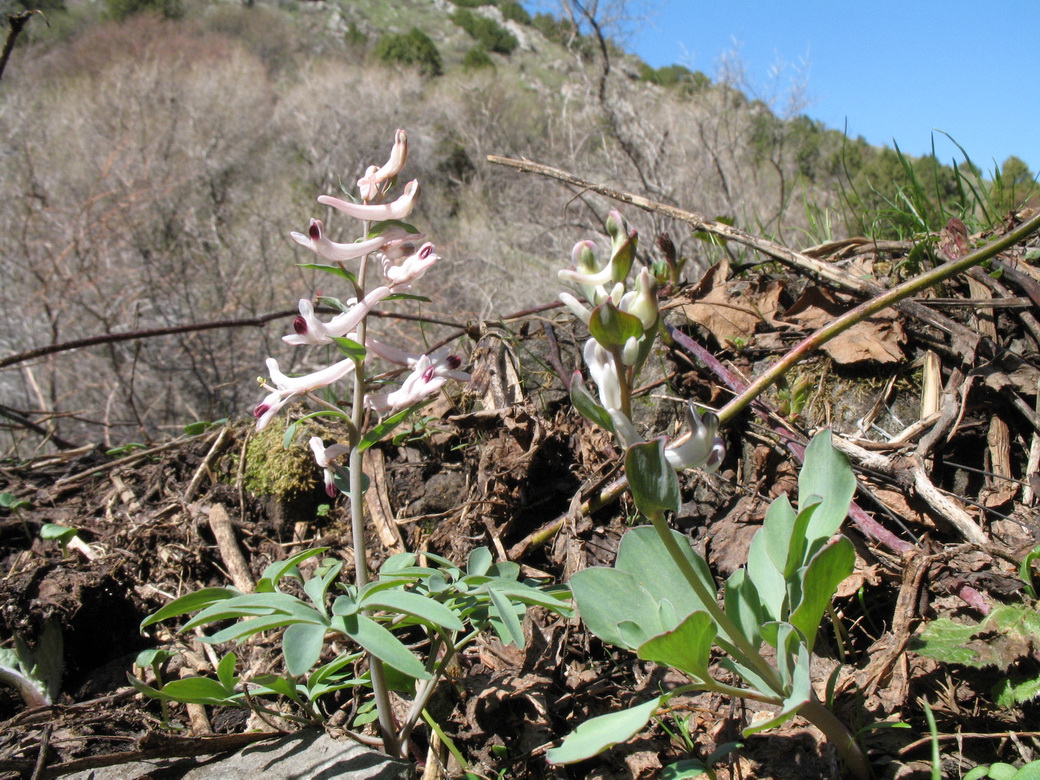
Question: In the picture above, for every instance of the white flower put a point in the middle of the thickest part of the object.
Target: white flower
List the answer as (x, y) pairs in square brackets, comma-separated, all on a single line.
[(398, 209), (286, 388), (318, 242), (411, 269), (704, 448), (310, 330), (324, 457), (429, 373), (603, 371), (369, 183)]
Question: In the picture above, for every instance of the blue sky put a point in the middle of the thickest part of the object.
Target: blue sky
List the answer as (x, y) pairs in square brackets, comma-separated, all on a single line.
[(886, 70)]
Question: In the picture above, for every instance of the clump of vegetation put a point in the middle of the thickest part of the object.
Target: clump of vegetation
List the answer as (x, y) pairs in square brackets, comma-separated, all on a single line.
[(412, 48), (476, 58), (123, 9), (514, 12), (491, 35), (678, 76), (273, 470)]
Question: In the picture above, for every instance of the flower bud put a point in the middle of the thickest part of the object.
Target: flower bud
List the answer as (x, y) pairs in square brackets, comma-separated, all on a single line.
[(644, 303)]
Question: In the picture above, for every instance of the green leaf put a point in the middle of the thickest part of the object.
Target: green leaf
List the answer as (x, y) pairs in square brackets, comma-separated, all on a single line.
[(199, 690), (611, 327), (821, 578), (587, 406), (246, 627), (275, 571), (686, 648), (190, 602), (1025, 572), (350, 348), (654, 484), (335, 270), (1016, 689), (405, 602), (744, 607), (302, 644), (800, 692), (1008, 633), (643, 555), (508, 624), (608, 597), (380, 643), (827, 474), (768, 581), (61, 533), (479, 561), (378, 228), (685, 770), (226, 671), (377, 432), (597, 734)]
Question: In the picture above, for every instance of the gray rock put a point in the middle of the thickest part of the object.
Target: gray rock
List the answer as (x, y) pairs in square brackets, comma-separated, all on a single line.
[(305, 755)]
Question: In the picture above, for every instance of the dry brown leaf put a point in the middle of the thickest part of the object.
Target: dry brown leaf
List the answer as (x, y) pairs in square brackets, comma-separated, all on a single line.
[(732, 309), (876, 339)]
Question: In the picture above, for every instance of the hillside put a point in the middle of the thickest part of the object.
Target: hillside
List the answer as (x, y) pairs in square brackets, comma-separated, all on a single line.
[(498, 460)]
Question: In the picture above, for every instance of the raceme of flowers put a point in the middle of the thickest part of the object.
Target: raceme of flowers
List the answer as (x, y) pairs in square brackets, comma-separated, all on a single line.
[(624, 324), (403, 258)]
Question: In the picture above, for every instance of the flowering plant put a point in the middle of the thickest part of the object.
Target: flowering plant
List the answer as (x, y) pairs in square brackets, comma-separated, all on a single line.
[(448, 604), (660, 599)]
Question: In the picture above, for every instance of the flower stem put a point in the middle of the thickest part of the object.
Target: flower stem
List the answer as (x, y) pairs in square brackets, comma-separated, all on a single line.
[(387, 725)]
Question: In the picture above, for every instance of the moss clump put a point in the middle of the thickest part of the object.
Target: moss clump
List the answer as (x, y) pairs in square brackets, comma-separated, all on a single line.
[(272, 470)]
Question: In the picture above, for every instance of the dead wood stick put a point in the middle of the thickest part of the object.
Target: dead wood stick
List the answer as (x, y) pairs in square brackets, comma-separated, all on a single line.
[(944, 506), (799, 260), (224, 532), (214, 451)]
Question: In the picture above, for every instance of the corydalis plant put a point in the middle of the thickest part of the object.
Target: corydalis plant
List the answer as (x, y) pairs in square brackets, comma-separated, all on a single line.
[(660, 599), (403, 258)]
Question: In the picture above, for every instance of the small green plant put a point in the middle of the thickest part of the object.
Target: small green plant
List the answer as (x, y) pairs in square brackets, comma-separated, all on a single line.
[(1002, 771), (438, 608), (63, 535), (35, 674), (449, 607)]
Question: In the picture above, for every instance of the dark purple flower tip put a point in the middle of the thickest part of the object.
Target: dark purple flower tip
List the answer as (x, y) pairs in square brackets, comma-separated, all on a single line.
[(300, 326), (261, 409), (453, 361), (315, 230), (426, 251), (429, 374), (331, 490)]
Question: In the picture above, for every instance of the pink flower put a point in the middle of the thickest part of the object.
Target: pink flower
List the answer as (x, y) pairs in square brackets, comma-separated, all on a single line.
[(369, 183), (324, 457), (398, 209), (429, 373), (286, 388), (318, 242), (310, 330), (411, 269)]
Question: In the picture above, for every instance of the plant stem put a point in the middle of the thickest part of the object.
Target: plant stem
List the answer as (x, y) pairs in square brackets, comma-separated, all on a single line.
[(357, 526), (838, 735), (873, 306), (740, 644)]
